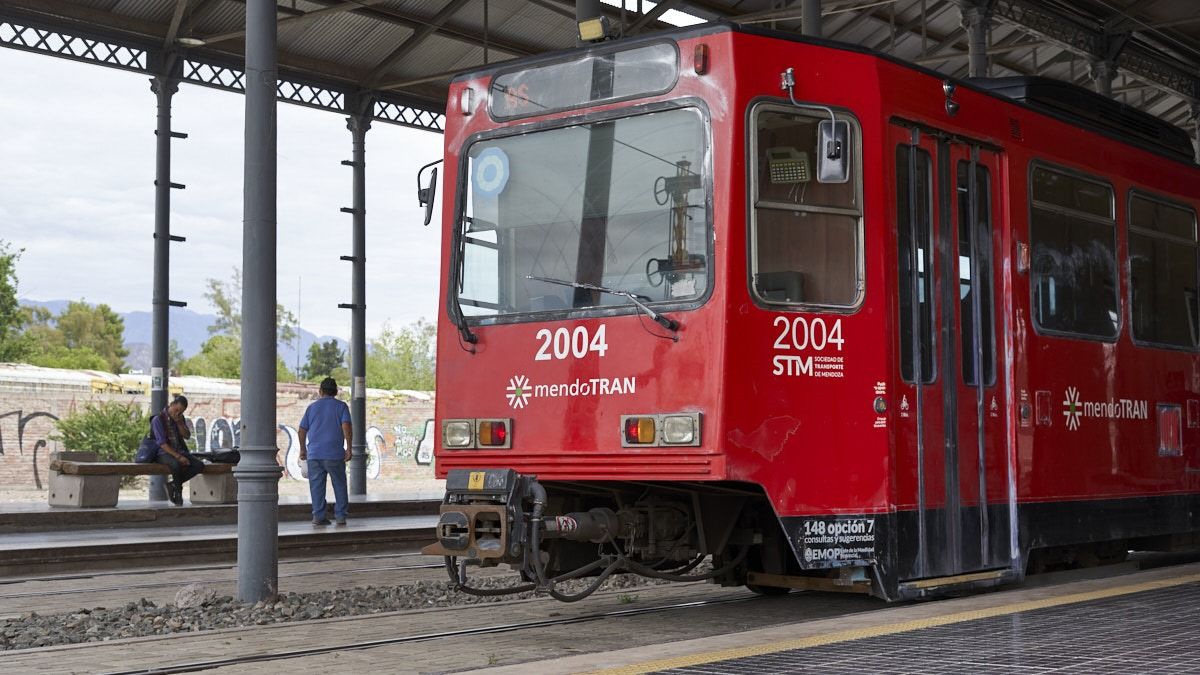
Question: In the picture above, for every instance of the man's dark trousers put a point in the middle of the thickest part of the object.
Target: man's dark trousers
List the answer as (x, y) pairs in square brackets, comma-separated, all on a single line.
[(180, 473)]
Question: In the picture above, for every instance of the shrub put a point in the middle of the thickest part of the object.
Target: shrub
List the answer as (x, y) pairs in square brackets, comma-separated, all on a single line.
[(112, 430)]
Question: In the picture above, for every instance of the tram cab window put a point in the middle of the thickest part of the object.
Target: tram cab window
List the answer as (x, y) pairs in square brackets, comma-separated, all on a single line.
[(806, 236), (1163, 269), (1074, 241), (621, 204)]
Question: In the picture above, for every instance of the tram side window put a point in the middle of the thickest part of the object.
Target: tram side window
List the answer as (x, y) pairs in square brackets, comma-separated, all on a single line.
[(1163, 267), (978, 237), (915, 256), (806, 234), (1073, 234)]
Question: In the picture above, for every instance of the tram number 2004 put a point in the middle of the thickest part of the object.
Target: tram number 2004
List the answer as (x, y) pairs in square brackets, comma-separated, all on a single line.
[(563, 343), (800, 333)]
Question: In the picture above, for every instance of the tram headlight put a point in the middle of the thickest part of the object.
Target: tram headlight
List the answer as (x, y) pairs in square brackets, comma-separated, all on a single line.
[(457, 433), (679, 429)]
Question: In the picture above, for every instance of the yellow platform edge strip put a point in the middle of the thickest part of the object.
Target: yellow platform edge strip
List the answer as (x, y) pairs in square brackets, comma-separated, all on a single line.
[(892, 628)]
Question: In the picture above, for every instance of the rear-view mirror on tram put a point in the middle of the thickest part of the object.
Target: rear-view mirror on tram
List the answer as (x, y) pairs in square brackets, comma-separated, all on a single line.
[(425, 195), (833, 143)]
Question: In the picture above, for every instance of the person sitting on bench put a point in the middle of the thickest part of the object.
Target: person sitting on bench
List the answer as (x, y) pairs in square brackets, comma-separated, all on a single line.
[(170, 433)]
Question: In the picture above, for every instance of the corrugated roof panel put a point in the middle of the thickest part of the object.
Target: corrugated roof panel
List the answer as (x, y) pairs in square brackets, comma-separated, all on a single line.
[(343, 38), (223, 16), (158, 11)]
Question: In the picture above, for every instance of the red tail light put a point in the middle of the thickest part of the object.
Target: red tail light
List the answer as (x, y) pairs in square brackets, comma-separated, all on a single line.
[(492, 433), (639, 430)]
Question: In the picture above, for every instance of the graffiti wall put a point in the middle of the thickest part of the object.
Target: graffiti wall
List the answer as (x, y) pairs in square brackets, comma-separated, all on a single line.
[(399, 435)]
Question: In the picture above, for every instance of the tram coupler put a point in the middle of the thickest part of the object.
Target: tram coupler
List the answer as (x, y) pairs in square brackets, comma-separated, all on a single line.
[(482, 516), (489, 516)]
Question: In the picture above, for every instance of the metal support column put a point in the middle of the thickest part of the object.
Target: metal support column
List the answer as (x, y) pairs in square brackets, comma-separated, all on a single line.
[(976, 19), (164, 87), (1103, 73), (258, 473), (811, 19), (359, 122)]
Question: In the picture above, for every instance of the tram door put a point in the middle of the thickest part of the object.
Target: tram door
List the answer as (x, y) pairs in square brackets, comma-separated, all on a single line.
[(951, 442)]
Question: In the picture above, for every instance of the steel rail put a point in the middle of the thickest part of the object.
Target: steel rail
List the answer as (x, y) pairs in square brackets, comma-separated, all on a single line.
[(196, 568), (423, 637), (162, 584)]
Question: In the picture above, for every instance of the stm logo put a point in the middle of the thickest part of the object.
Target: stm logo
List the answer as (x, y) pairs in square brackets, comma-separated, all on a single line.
[(1072, 409), (518, 391)]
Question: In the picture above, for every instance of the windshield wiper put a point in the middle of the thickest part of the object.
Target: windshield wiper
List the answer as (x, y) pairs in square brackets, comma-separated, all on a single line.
[(666, 322)]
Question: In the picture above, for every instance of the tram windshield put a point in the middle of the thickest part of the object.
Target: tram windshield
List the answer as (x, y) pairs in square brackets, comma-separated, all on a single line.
[(620, 204)]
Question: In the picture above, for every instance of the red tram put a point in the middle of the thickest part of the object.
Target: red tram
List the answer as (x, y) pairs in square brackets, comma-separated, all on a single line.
[(815, 312)]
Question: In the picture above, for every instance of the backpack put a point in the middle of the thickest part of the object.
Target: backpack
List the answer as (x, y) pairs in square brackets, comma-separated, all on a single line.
[(147, 452)]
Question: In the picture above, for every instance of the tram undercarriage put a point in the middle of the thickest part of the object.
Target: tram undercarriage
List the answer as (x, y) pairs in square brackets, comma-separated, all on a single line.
[(562, 531)]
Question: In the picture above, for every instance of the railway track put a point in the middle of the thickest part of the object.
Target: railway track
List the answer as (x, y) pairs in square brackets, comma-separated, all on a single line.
[(141, 553), (194, 666), (196, 568), (169, 584)]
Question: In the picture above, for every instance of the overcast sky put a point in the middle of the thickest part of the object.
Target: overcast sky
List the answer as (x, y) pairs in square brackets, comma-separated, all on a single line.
[(77, 193)]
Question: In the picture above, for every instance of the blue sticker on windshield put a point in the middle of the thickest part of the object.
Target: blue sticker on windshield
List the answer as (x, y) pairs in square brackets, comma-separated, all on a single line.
[(491, 172)]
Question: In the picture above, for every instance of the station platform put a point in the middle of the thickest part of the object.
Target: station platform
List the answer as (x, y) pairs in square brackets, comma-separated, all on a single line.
[(1144, 622), (37, 537)]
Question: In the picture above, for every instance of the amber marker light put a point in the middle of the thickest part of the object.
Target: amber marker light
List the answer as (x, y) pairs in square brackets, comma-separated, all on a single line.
[(493, 433), (639, 430), (592, 30), (700, 59)]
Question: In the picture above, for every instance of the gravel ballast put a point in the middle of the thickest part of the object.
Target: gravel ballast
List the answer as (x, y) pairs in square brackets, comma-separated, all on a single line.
[(199, 608)]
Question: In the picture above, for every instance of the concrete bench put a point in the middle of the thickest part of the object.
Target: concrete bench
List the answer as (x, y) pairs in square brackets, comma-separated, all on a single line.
[(77, 479)]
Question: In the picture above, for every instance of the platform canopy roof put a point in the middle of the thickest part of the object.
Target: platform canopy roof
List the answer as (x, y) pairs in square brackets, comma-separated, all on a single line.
[(403, 53)]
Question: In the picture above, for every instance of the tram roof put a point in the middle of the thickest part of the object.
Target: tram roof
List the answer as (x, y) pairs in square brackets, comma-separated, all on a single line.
[(403, 53)]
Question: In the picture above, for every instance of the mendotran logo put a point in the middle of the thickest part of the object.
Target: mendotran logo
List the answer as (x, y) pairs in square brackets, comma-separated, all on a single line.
[(519, 390), (1075, 409)]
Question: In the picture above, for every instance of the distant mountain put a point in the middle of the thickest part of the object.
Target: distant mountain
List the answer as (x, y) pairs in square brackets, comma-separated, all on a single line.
[(188, 328)]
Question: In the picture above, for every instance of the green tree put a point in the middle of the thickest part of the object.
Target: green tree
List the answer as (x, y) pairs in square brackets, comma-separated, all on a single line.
[(221, 356), (13, 347), (403, 359), (111, 429), (323, 359), (97, 328), (81, 358), (226, 299)]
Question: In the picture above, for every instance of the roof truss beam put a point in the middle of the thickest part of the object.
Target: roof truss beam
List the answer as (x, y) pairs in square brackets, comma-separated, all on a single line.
[(209, 70), (414, 41)]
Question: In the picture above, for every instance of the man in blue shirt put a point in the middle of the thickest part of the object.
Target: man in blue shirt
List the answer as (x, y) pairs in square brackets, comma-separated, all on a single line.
[(325, 445)]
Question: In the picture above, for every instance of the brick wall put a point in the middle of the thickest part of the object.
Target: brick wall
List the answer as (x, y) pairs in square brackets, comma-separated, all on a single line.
[(396, 424)]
